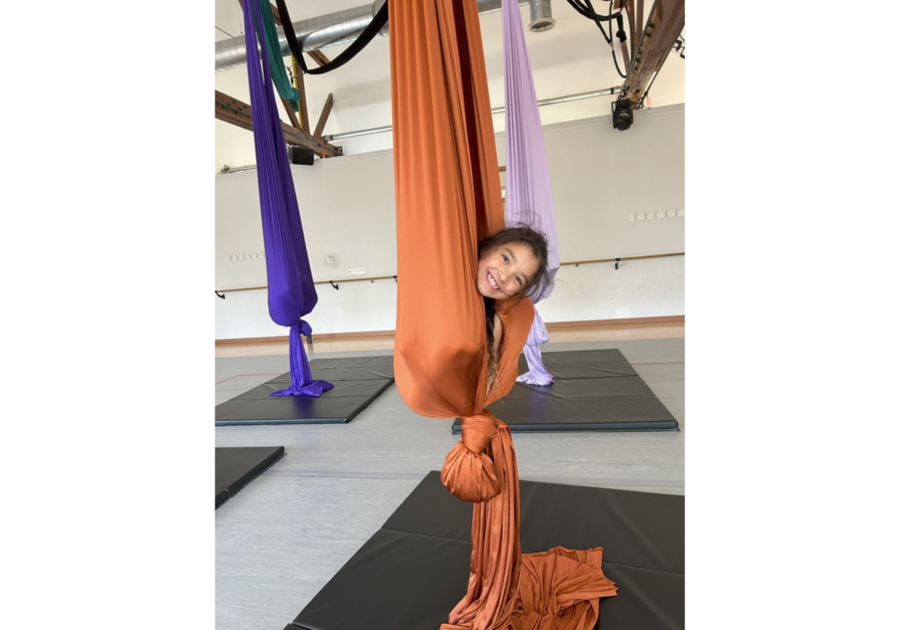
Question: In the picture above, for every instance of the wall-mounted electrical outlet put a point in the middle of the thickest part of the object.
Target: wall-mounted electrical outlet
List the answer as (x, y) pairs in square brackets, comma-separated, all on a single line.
[(356, 271), (671, 213), (641, 216), (631, 217)]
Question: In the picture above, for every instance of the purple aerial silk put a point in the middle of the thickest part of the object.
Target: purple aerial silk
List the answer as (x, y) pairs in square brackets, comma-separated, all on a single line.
[(292, 293), (528, 198)]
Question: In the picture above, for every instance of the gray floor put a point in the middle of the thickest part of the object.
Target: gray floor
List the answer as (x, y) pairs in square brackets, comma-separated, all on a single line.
[(286, 534)]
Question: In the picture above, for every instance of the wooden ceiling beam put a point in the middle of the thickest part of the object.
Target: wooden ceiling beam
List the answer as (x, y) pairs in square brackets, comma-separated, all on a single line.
[(319, 57), (664, 24), (291, 113), (323, 117), (275, 14), (635, 29), (238, 113), (640, 20), (301, 88)]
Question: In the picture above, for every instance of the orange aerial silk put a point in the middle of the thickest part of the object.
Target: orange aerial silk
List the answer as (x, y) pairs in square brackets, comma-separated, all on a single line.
[(447, 189)]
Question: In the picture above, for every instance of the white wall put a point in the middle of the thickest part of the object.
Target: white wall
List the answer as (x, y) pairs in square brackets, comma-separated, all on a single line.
[(640, 288), (356, 307), (599, 176), (346, 207), (649, 287)]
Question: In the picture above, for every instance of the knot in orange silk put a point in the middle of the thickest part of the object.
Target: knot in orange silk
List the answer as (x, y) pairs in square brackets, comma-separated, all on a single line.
[(478, 431), (468, 471)]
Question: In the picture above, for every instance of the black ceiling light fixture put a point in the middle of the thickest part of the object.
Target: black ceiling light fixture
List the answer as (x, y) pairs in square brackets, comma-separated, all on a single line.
[(622, 114)]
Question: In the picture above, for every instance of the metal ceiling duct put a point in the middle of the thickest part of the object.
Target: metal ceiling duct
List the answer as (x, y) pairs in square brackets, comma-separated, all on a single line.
[(342, 27), (318, 32), (541, 16)]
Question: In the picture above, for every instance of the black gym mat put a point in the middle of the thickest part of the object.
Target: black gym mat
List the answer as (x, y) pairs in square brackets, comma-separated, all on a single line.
[(357, 382), (415, 569), (236, 466), (593, 390), (221, 497)]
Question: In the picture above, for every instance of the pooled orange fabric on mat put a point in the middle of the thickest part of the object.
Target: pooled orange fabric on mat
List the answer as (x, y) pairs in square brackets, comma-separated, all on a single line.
[(447, 190)]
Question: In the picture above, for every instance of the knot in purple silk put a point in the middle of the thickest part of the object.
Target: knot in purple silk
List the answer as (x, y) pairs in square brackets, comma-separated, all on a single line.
[(305, 328), (468, 472)]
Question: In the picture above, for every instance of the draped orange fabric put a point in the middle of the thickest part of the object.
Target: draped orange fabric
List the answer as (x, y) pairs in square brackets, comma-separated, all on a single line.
[(448, 198)]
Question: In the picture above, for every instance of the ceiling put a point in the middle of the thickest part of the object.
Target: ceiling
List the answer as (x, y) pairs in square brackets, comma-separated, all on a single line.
[(230, 20), (569, 59)]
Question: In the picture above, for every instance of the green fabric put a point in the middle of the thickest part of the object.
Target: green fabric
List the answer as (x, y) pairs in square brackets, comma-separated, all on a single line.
[(276, 61)]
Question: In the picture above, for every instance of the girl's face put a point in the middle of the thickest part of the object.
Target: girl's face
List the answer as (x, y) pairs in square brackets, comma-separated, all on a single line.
[(505, 271)]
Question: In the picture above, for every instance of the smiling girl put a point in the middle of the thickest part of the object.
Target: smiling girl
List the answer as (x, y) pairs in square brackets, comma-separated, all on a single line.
[(510, 264)]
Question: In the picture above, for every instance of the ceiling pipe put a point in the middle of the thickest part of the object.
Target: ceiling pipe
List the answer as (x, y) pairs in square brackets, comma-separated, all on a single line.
[(343, 27), (497, 110), (318, 32)]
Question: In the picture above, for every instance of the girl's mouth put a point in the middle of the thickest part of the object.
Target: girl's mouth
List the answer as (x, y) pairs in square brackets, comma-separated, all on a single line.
[(491, 281)]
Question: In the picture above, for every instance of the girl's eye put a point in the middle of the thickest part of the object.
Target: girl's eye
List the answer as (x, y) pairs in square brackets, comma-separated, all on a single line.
[(519, 280), (505, 259)]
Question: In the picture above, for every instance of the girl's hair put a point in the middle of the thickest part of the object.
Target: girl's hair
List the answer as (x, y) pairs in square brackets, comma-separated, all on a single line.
[(538, 244)]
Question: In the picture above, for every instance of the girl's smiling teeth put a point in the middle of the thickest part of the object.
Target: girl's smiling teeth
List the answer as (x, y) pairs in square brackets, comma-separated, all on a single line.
[(491, 281)]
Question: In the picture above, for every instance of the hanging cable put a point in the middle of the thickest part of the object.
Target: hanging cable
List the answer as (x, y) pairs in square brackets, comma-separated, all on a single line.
[(620, 22), (587, 10), (369, 33), (592, 16)]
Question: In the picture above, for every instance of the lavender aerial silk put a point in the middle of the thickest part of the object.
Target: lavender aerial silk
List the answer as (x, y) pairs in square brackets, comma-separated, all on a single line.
[(292, 293), (528, 197)]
